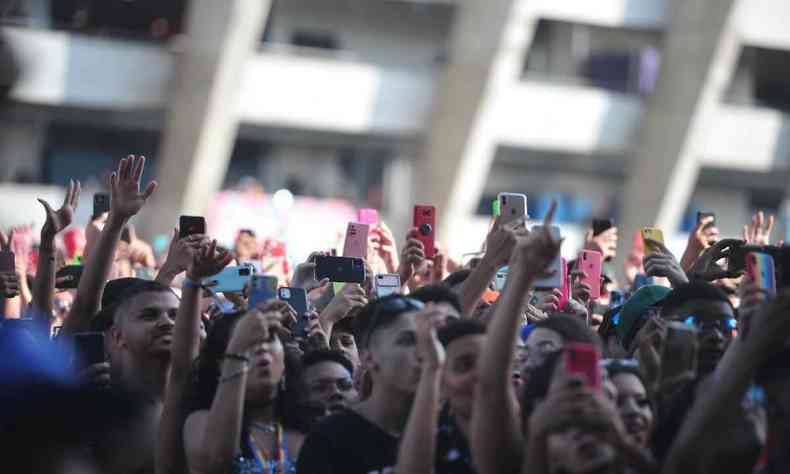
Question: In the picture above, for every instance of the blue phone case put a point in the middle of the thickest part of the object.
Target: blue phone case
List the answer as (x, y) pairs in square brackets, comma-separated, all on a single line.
[(263, 289), (229, 280)]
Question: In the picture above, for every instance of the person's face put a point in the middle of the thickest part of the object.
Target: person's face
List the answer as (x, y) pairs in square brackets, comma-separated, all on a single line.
[(460, 372), (392, 358), (634, 407), (146, 323), (574, 451), (445, 313), (714, 332), (329, 385), (345, 342), (246, 245), (267, 366), (540, 343)]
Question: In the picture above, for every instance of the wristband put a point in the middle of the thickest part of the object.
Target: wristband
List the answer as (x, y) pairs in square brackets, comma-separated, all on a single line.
[(191, 284), (239, 357), (234, 375)]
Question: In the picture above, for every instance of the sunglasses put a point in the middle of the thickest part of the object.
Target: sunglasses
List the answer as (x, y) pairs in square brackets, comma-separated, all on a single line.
[(725, 325)]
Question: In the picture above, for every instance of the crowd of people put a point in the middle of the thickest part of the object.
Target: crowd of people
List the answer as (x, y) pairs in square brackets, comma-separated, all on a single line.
[(682, 366)]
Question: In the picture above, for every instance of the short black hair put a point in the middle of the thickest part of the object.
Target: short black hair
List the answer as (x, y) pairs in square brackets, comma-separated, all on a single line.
[(249, 232), (571, 328), (117, 292), (438, 293), (326, 355), (458, 329), (457, 277), (695, 290), (381, 313)]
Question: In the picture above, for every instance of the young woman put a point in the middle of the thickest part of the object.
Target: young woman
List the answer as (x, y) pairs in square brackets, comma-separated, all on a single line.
[(240, 421)]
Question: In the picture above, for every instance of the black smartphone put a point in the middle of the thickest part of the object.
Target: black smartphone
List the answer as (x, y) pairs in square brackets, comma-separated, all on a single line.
[(88, 349), (340, 269), (297, 298), (101, 204), (704, 215), (68, 277), (191, 225), (601, 225), (7, 261)]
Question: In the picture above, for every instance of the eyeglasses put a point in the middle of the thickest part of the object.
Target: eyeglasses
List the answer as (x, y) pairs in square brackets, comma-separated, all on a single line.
[(392, 304), (343, 384)]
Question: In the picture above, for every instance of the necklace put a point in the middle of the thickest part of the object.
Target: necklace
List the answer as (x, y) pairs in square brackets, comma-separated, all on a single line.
[(264, 427)]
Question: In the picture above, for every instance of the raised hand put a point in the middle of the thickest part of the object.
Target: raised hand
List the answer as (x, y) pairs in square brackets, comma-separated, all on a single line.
[(382, 246), (126, 200), (412, 257), (254, 328), (706, 268), (316, 335), (501, 240), (62, 218), (759, 231), (351, 296), (535, 252), (662, 263), (430, 351), (182, 252), (9, 281), (206, 261)]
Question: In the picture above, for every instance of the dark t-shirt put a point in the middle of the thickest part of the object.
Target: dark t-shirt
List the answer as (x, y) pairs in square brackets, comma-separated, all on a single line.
[(347, 443), (453, 455)]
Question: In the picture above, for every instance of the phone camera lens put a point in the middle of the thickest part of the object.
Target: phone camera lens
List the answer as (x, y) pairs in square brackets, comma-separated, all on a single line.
[(426, 229)]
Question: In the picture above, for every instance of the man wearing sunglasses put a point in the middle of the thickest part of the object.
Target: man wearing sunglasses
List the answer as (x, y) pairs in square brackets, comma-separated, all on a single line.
[(365, 439)]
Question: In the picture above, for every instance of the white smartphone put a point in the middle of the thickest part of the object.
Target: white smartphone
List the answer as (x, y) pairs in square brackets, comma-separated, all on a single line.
[(500, 279), (512, 207), (387, 284), (555, 280)]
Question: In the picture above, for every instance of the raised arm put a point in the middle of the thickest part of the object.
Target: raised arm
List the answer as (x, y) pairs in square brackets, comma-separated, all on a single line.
[(497, 446), (57, 221), (179, 258), (126, 200), (207, 261), (417, 451), (499, 246)]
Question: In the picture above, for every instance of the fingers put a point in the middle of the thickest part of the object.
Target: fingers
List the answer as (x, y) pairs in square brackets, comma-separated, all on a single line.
[(549, 218), (139, 166), (149, 190), (75, 197)]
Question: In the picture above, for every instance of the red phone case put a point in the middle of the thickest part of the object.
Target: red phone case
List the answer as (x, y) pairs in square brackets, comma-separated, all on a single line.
[(582, 358), (591, 262), (425, 222), (356, 244)]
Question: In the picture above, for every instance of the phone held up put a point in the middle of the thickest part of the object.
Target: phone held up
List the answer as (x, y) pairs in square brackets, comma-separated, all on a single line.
[(512, 207), (230, 280), (425, 222), (655, 234), (591, 263), (583, 359), (101, 204), (7, 261), (356, 244), (760, 268), (297, 298), (555, 279), (387, 284), (340, 269), (262, 289), (191, 225)]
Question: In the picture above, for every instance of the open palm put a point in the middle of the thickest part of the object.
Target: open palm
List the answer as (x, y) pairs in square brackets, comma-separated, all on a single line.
[(126, 200), (62, 218)]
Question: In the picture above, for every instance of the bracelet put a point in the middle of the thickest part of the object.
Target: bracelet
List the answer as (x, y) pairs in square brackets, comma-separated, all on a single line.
[(234, 375), (239, 357), (191, 284)]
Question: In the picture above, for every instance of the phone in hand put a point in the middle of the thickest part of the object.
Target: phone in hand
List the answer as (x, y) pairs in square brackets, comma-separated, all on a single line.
[(591, 263), (601, 225), (297, 298), (555, 280), (512, 206), (356, 244), (230, 280), (68, 277), (387, 284), (654, 234), (500, 278), (582, 358), (340, 269), (88, 349), (641, 280), (680, 350), (760, 268), (262, 289), (101, 204), (7, 261), (368, 216), (191, 225), (425, 222)]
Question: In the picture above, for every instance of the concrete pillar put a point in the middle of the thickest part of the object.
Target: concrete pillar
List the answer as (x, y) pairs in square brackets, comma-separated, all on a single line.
[(202, 121), (21, 145), (397, 188), (699, 56), (487, 51)]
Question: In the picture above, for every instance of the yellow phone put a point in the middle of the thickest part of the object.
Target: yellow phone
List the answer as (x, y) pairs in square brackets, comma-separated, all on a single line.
[(652, 233)]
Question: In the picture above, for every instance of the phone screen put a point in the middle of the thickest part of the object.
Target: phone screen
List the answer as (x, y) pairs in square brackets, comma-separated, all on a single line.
[(101, 204), (191, 225), (7, 261)]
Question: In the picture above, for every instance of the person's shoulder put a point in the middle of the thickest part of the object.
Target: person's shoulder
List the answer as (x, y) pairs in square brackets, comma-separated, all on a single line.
[(341, 421)]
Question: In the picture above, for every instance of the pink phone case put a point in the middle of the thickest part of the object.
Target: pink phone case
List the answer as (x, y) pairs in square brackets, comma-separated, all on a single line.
[(566, 285), (368, 216), (591, 262), (582, 358), (356, 241)]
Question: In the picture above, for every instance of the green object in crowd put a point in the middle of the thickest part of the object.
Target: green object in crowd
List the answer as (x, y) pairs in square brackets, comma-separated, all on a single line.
[(495, 209)]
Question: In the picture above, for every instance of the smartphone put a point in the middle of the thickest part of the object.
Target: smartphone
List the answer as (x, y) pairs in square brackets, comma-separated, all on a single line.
[(566, 285), (591, 263), (230, 280), (340, 269), (616, 298), (7, 261), (703, 215), (356, 244), (760, 268), (368, 216), (680, 350), (101, 204), (191, 225), (582, 358), (555, 280), (68, 277), (652, 233), (88, 349), (387, 284), (512, 207), (601, 225), (296, 297), (500, 279), (425, 222), (262, 289)]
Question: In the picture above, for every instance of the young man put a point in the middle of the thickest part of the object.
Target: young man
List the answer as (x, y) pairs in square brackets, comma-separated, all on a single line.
[(365, 440), (328, 380)]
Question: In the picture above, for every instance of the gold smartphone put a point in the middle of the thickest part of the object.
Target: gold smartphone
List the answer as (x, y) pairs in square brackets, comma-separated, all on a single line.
[(655, 234)]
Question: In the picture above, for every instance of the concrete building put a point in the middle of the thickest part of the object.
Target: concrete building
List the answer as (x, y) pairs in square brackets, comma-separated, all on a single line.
[(642, 110)]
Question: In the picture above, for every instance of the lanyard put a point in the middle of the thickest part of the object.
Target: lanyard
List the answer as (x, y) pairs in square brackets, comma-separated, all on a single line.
[(274, 467)]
